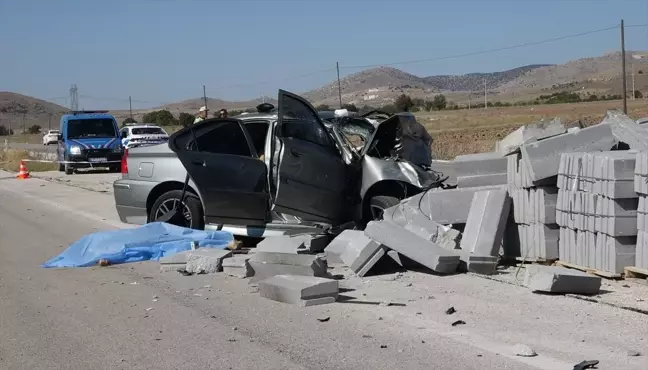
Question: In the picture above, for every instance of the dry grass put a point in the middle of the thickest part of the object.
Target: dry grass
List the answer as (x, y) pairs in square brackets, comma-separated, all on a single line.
[(10, 161), (476, 130), (24, 139)]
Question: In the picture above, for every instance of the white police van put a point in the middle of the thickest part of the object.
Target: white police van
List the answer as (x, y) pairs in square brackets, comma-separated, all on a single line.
[(134, 135)]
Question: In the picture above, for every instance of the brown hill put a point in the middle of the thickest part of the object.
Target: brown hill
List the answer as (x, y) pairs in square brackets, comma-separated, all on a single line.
[(18, 111)]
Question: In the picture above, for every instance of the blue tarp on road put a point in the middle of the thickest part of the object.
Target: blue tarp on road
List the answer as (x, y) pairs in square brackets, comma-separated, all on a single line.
[(148, 242)]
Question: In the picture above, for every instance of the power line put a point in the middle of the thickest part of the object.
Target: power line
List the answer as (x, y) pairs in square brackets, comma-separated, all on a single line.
[(489, 50)]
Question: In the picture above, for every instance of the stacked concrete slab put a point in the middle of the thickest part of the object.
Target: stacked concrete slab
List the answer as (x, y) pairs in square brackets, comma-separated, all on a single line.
[(481, 169), (534, 213), (641, 187), (597, 210), (529, 133)]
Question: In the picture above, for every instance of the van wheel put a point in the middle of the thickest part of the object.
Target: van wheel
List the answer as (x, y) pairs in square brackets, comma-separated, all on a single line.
[(68, 169), (378, 205), (193, 211)]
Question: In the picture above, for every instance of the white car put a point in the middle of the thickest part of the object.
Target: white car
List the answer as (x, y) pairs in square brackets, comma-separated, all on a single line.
[(142, 135), (50, 137)]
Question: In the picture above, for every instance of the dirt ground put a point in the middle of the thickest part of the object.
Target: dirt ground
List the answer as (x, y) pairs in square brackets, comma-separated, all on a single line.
[(476, 130)]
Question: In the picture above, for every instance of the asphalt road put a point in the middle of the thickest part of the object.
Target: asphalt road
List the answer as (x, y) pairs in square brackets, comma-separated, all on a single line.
[(134, 317)]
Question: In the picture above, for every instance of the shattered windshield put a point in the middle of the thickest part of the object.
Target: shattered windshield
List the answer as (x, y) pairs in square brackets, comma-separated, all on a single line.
[(91, 127)]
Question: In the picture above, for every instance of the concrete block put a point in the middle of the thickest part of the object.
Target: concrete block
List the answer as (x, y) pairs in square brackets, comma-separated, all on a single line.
[(444, 207), (554, 279), (529, 133), (206, 260), (362, 254), (486, 222), (299, 290), (479, 164), (482, 265), (294, 244), (238, 265), (178, 258), (412, 246), (269, 264), (340, 244), (481, 180), (543, 157), (626, 130), (641, 256)]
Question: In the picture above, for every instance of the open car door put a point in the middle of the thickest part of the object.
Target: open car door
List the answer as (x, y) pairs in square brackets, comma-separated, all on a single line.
[(225, 167), (309, 180)]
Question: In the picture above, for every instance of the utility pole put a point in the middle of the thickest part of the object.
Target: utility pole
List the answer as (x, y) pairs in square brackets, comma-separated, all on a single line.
[(74, 98), (623, 70), (130, 107), (485, 96), (205, 95), (337, 66), (633, 80)]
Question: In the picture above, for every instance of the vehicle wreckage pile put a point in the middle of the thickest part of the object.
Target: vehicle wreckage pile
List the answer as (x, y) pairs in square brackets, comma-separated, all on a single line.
[(549, 192)]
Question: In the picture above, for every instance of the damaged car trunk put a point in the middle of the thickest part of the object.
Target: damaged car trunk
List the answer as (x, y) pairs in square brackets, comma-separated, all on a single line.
[(306, 174)]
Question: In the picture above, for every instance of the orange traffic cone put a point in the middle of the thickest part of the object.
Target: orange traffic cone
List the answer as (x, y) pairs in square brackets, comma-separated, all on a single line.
[(23, 174)]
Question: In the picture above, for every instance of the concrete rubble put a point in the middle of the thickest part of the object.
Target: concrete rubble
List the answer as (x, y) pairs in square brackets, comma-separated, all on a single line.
[(206, 260), (548, 192)]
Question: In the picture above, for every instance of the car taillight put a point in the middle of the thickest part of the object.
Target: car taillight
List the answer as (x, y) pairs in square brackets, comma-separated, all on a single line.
[(124, 162)]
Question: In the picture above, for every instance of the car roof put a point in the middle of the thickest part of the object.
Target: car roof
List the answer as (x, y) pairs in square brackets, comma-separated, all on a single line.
[(73, 116), (256, 116), (145, 125)]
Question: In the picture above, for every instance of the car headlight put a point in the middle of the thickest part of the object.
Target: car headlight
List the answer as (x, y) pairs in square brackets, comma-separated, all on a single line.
[(117, 149), (75, 149)]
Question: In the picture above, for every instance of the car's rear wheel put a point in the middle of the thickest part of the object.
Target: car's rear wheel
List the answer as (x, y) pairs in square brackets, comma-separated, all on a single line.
[(379, 203), (68, 169), (192, 209)]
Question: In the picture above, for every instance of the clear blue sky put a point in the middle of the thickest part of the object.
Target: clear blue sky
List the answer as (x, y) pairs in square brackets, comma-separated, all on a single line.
[(162, 51)]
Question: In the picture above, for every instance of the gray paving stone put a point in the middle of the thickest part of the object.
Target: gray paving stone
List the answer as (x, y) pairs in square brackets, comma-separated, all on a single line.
[(481, 180), (483, 265), (479, 164), (486, 222), (177, 258), (529, 133), (340, 243), (543, 157), (362, 254), (206, 260), (412, 246), (293, 244), (238, 265), (269, 264), (554, 279), (447, 206), (299, 290)]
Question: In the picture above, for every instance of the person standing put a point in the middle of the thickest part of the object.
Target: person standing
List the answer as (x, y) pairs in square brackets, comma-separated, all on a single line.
[(202, 114)]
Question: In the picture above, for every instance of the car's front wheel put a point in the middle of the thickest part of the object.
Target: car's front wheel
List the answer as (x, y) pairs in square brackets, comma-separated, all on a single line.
[(192, 209), (379, 203)]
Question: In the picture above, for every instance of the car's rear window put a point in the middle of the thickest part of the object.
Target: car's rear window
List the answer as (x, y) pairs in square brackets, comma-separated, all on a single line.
[(91, 127), (147, 131)]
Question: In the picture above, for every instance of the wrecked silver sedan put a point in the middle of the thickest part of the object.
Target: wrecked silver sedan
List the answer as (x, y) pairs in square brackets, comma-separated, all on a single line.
[(280, 171)]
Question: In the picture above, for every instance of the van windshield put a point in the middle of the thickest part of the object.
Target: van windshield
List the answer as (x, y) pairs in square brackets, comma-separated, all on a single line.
[(91, 127)]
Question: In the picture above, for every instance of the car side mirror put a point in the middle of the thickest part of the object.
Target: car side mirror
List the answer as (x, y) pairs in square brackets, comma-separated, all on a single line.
[(124, 135), (60, 137)]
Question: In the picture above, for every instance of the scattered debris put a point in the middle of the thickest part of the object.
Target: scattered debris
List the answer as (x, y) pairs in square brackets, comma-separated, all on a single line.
[(148, 309), (450, 311), (632, 353), (103, 262), (268, 264), (586, 365), (383, 346), (458, 322), (238, 265), (323, 318), (523, 350)]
